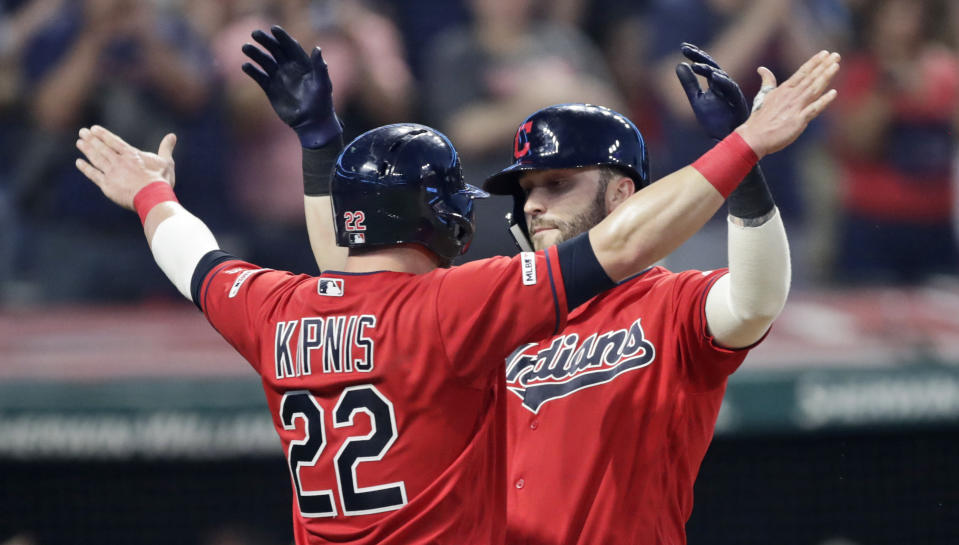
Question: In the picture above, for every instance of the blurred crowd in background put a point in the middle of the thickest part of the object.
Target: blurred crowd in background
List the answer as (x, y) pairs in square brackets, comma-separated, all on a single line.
[(867, 193)]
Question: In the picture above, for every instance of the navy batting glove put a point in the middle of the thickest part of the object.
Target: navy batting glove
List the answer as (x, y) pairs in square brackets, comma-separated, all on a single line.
[(297, 85), (722, 106)]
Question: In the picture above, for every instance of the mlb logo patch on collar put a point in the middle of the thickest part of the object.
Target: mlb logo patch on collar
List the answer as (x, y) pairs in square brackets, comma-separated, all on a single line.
[(330, 286), (528, 260)]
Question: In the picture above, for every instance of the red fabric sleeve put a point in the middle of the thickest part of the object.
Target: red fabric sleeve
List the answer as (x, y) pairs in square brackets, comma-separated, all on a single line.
[(237, 298), (502, 302), (705, 364)]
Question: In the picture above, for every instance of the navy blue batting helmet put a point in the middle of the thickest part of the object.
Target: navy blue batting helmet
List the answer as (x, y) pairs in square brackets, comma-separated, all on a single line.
[(570, 136), (399, 184)]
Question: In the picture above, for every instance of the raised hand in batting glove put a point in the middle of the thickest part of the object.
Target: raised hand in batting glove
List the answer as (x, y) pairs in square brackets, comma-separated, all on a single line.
[(720, 109), (297, 85), (722, 106)]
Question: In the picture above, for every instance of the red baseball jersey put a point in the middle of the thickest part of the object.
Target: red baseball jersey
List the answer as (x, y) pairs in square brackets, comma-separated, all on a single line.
[(609, 421), (387, 389)]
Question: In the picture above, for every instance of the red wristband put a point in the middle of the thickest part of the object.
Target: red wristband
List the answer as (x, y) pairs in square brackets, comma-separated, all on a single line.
[(151, 195), (727, 163)]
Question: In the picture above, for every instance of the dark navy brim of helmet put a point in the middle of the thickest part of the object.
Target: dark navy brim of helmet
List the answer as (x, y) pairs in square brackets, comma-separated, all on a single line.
[(504, 182)]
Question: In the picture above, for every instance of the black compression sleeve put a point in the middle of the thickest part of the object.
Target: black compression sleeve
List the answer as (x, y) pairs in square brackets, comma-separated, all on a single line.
[(207, 263), (318, 167), (751, 199), (583, 276)]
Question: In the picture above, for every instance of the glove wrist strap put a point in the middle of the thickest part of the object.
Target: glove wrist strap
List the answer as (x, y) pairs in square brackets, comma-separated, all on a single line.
[(318, 166), (752, 199)]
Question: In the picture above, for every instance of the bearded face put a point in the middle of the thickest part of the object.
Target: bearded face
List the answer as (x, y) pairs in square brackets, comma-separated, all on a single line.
[(561, 204), (553, 229)]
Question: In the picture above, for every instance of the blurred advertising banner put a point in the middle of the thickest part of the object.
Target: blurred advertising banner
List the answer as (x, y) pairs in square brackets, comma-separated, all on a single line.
[(157, 381)]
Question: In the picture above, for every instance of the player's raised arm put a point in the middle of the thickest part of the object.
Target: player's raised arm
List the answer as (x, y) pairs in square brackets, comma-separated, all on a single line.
[(741, 305), (657, 219), (299, 89), (143, 181)]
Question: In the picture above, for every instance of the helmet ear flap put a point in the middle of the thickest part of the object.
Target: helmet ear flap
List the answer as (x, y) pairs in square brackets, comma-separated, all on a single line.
[(461, 230)]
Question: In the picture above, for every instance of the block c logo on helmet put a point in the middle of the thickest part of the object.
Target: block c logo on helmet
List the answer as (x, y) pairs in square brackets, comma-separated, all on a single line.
[(521, 142)]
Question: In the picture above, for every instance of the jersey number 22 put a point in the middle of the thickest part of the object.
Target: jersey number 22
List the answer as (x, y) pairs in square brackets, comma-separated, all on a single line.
[(305, 452)]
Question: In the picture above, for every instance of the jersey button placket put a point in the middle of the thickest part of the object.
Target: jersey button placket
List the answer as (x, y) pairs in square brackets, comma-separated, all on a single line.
[(533, 425), (520, 484)]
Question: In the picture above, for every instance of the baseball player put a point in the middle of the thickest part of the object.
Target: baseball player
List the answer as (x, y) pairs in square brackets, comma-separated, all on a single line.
[(386, 380), (612, 416)]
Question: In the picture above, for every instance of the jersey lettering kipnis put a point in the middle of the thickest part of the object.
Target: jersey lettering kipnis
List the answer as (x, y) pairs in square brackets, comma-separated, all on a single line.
[(567, 365), (387, 390), (341, 343)]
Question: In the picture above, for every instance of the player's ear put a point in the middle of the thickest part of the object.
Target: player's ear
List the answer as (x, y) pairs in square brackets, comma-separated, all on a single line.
[(619, 189)]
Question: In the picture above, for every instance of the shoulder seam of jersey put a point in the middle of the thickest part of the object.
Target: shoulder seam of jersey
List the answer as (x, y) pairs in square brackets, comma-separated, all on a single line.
[(635, 276)]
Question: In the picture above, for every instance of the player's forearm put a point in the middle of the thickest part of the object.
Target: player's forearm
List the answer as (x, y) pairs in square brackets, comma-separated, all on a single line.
[(178, 240), (318, 165), (653, 222), (319, 226), (656, 220), (742, 305)]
